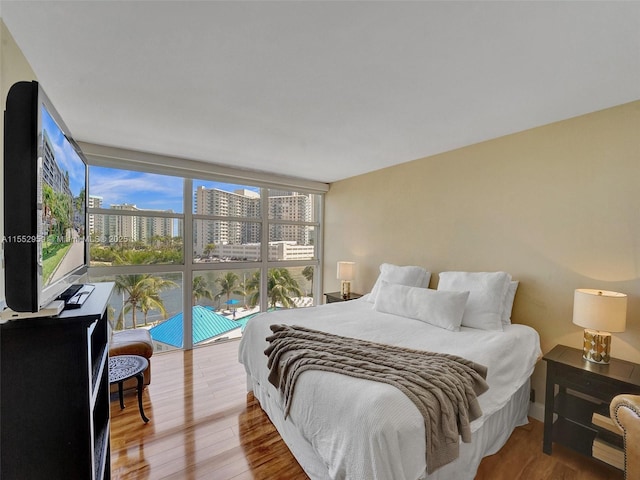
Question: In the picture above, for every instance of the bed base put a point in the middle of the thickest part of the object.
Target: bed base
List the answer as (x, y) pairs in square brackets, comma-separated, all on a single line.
[(487, 440)]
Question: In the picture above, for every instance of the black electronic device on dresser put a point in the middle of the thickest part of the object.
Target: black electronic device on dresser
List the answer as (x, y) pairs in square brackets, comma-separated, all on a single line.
[(578, 394), (54, 394)]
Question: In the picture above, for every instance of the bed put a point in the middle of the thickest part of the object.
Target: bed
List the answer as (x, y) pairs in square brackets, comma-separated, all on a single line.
[(340, 427)]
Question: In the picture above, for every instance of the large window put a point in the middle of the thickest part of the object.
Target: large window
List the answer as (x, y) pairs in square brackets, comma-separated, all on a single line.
[(135, 218), (227, 251), (148, 300)]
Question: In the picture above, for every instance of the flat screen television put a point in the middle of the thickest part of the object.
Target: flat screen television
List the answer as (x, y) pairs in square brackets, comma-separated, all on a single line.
[(45, 198)]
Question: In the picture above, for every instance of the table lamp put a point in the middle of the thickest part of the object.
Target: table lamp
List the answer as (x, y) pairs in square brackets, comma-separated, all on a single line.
[(346, 271), (599, 312)]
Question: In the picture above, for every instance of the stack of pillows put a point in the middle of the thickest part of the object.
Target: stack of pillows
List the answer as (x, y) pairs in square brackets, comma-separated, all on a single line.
[(481, 300)]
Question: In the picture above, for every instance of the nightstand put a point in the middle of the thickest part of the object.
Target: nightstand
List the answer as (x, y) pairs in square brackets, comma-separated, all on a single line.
[(337, 297), (584, 389)]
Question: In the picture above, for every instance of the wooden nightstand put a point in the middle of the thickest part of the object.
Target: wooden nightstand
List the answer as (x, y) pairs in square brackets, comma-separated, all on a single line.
[(583, 388), (337, 297)]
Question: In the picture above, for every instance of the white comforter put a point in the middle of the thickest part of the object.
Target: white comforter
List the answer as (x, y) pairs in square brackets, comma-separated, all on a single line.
[(368, 430)]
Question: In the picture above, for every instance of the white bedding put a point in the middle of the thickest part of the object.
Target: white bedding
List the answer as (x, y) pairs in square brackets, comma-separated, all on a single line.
[(359, 429)]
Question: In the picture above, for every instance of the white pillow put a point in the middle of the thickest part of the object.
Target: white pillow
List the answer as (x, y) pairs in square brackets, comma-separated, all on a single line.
[(438, 308), (487, 291), (408, 275), (508, 302)]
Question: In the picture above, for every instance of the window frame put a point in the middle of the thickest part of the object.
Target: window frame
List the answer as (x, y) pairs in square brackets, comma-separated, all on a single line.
[(190, 171)]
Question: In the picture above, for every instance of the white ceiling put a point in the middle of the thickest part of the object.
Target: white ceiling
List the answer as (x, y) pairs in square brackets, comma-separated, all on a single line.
[(323, 90)]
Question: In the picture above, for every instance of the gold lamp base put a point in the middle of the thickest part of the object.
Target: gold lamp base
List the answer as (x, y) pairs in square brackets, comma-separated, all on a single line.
[(345, 288), (596, 346)]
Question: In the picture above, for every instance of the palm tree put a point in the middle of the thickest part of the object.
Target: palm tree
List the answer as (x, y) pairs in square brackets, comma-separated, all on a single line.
[(143, 293), (307, 273), (281, 287), (208, 250), (78, 204), (244, 290), (57, 208), (228, 285), (252, 288), (156, 241), (152, 302), (134, 286), (61, 210), (122, 256), (120, 322), (200, 289)]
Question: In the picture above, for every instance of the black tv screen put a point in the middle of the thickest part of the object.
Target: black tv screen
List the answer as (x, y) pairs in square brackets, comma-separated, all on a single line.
[(45, 178)]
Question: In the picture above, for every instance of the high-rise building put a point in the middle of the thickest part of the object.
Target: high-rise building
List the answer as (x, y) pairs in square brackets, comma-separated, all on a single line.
[(290, 206), (121, 228), (243, 206), (136, 228), (52, 175), (96, 222), (58, 181)]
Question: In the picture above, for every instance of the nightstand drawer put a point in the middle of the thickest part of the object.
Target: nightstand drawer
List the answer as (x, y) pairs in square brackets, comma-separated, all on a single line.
[(589, 383)]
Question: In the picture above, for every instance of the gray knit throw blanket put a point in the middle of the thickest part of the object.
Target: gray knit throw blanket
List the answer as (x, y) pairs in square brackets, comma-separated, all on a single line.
[(443, 387)]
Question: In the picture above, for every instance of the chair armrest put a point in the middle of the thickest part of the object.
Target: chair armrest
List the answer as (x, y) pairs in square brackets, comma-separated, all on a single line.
[(625, 413)]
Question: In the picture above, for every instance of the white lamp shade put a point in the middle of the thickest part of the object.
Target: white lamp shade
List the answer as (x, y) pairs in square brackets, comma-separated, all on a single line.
[(346, 270), (600, 310)]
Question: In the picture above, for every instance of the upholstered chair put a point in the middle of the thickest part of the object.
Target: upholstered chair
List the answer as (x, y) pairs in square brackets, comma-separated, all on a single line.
[(132, 342), (625, 412)]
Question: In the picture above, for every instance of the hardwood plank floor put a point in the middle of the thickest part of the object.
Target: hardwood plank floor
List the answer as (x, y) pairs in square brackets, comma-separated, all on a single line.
[(205, 426)]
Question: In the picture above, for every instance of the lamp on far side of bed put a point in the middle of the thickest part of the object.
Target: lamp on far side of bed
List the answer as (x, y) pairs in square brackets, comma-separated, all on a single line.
[(599, 312), (346, 273)]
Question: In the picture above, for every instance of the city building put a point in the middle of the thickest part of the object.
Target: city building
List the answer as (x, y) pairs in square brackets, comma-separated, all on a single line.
[(278, 250), (52, 175), (95, 226), (136, 228), (240, 238)]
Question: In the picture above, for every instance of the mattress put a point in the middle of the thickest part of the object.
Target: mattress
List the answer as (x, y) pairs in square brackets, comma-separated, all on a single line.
[(341, 427)]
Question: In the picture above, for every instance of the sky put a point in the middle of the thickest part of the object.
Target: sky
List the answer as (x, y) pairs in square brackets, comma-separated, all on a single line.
[(145, 190), (65, 155)]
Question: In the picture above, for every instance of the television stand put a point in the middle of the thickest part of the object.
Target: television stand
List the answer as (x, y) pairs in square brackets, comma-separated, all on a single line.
[(54, 394)]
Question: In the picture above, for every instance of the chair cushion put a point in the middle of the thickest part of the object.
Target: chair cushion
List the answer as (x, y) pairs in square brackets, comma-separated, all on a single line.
[(131, 342)]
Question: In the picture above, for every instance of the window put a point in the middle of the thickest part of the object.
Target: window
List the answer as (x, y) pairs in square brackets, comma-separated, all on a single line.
[(292, 225), (141, 222), (134, 218), (223, 302), (227, 222), (148, 300)]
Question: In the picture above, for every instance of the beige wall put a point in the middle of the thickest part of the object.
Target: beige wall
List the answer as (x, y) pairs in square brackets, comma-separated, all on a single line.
[(13, 68), (558, 207)]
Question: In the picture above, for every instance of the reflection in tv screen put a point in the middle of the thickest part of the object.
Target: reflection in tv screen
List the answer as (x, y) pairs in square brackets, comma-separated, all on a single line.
[(61, 191)]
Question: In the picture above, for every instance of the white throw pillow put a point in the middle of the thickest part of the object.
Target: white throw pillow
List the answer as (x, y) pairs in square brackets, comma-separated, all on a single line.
[(411, 276), (438, 308), (487, 291), (508, 302)]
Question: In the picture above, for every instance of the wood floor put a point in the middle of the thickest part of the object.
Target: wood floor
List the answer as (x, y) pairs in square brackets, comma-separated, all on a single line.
[(205, 426)]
